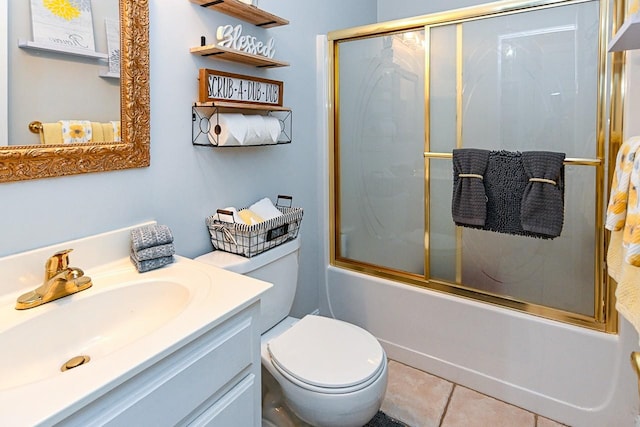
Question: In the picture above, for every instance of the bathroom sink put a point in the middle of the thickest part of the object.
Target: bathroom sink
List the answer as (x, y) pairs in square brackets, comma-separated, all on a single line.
[(126, 323), (90, 323)]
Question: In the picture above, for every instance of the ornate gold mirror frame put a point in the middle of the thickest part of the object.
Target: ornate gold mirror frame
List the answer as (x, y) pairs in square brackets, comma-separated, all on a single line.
[(24, 162)]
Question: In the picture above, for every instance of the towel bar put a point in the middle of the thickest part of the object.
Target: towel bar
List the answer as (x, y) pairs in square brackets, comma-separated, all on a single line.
[(35, 126), (568, 161)]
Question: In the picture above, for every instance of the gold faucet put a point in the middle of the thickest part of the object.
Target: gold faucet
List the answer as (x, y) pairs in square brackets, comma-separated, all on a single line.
[(60, 280)]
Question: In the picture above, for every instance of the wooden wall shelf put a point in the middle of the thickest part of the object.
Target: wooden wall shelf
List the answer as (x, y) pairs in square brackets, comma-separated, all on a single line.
[(226, 54), (246, 12), (228, 105)]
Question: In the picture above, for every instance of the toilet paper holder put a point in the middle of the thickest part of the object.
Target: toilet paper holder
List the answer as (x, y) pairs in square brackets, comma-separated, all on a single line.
[(206, 129)]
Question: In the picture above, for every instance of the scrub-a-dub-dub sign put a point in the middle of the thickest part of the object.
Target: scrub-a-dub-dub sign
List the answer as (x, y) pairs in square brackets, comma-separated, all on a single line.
[(221, 86)]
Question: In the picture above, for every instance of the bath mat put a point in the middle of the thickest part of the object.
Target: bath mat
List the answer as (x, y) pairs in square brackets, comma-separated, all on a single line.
[(383, 420)]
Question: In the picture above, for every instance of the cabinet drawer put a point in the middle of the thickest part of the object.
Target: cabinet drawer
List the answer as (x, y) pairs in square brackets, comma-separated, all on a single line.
[(231, 409)]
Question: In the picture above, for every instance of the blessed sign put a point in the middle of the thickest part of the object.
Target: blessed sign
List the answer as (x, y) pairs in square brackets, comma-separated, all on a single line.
[(231, 37), (221, 86)]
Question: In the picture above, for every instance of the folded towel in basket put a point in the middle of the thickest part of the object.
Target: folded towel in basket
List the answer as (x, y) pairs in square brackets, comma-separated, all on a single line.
[(265, 209), (542, 207), (469, 200), (249, 217), (159, 251), (150, 235)]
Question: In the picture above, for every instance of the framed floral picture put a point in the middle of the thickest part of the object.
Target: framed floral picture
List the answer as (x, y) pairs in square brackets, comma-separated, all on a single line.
[(113, 44), (63, 23)]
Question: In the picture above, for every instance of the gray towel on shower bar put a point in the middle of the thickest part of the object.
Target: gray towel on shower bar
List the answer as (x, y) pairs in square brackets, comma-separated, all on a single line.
[(505, 181), (469, 201), (542, 207), (150, 235)]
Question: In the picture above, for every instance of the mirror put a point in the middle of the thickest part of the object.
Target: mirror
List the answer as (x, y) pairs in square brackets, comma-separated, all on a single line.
[(22, 162)]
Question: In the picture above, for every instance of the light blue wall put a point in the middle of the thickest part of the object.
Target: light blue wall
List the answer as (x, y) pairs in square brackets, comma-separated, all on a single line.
[(185, 184)]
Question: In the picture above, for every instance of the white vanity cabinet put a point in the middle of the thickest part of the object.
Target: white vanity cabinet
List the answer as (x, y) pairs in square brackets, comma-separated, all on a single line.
[(213, 380)]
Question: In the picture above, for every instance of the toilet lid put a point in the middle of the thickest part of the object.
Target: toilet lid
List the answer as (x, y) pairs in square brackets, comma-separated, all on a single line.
[(327, 353)]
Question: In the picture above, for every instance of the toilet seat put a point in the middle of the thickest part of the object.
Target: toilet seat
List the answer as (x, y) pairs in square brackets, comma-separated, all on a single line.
[(327, 355)]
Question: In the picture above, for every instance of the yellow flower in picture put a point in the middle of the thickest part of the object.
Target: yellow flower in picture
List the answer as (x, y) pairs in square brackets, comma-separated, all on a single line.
[(66, 9), (76, 131)]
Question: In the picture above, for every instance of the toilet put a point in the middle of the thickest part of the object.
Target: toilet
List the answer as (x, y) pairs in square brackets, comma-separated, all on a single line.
[(322, 371)]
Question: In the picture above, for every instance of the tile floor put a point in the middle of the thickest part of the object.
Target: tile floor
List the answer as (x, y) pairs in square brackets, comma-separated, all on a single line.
[(420, 399)]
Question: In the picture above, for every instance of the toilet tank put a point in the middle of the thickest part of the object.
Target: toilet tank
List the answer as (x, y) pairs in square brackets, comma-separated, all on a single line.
[(278, 266)]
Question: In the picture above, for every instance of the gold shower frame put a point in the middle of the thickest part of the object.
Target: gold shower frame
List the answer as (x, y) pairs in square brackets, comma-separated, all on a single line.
[(611, 75)]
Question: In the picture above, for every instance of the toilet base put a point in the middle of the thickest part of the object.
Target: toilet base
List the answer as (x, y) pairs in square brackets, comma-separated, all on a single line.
[(275, 412)]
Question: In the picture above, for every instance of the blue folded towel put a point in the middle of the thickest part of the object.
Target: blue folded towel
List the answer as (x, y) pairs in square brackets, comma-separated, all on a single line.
[(150, 235), (151, 247), (150, 264), (159, 251)]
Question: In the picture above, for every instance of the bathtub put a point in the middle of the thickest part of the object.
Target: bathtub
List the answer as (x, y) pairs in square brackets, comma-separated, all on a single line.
[(574, 375), (570, 374)]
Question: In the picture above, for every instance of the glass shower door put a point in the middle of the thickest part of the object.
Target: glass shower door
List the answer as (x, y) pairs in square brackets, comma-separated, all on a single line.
[(381, 141), (519, 82), (530, 76)]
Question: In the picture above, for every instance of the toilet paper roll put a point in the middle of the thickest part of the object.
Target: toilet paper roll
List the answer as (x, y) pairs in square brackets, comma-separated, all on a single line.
[(257, 131), (233, 130), (273, 128)]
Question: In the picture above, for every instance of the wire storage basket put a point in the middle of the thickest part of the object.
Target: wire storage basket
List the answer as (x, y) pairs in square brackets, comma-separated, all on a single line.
[(250, 240)]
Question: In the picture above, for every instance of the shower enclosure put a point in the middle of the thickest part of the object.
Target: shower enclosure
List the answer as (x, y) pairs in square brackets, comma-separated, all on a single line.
[(521, 76)]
